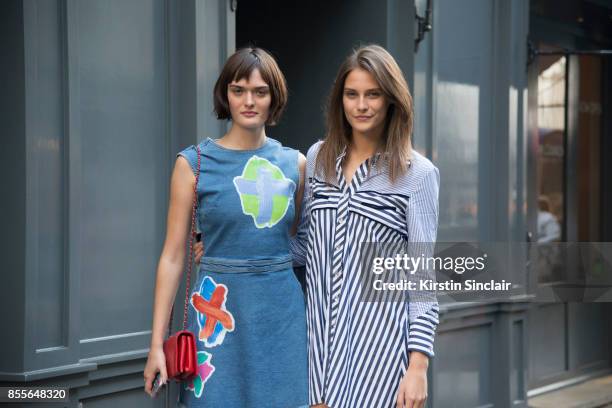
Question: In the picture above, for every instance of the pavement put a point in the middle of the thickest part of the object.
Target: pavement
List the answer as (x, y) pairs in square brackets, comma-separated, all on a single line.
[(596, 393)]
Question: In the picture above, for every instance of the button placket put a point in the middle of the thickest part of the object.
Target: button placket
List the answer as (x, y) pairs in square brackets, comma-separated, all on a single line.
[(338, 254), (342, 213), (340, 239)]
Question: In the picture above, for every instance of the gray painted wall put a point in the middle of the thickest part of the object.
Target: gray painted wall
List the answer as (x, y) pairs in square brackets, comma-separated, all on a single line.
[(12, 174), (98, 98)]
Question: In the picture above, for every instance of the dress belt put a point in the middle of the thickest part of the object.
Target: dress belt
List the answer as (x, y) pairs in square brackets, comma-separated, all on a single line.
[(234, 265)]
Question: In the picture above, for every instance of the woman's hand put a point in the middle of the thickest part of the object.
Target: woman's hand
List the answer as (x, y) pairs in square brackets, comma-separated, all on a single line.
[(198, 252), (412, 392), (156, 363)]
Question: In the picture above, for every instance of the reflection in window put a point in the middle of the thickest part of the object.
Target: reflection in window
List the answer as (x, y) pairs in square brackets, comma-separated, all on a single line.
[(560, 219), (551, 163), (459, 113), (551, 131), (588, 169)]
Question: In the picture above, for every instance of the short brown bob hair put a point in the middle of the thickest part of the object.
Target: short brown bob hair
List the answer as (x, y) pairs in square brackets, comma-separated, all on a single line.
[(240, 66)]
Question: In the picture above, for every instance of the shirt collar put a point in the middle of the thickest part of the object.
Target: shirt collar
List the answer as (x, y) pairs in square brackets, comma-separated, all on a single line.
[(371, 165), (374, 165), (375, 158)]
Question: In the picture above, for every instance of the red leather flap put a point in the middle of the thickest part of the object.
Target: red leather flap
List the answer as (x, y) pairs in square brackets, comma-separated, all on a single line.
[(180, 351)]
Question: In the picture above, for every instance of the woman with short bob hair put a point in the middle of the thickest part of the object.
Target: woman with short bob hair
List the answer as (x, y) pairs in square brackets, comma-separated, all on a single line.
[(366, 347), (246, 308), (239, 66)]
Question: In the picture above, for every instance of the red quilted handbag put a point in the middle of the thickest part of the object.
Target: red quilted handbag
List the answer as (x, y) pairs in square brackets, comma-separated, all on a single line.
[(180, 347)]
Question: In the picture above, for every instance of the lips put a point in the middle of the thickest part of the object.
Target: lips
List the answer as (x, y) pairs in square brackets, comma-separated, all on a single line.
[(248, 114), (363, 117)]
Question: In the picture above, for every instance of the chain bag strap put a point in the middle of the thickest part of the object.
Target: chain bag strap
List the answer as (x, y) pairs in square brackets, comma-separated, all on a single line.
[(180, 348)]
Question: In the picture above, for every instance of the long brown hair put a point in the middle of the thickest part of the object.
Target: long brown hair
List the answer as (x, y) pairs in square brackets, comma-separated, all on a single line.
[(398, 123)]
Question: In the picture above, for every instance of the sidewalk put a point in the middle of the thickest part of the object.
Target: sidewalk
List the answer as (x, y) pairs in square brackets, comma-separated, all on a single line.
[(596, 393)]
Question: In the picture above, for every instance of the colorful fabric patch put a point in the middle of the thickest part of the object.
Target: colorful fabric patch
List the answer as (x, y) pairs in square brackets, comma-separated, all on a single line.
[(205, 371), (213, 317), (265, 193)]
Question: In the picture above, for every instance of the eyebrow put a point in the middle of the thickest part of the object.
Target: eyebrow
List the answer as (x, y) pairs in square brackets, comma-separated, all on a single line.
[(367, 90), (257, 88)]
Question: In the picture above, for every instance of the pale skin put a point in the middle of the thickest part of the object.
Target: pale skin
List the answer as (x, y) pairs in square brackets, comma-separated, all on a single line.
[(365, 108), (249, 103)]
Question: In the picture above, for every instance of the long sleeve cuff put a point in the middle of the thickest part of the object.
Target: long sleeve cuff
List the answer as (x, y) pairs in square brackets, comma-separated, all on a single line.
[(297, 247), (422, 330)]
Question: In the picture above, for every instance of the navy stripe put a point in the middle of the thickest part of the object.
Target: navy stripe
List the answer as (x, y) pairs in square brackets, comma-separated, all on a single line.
[(358, 351)]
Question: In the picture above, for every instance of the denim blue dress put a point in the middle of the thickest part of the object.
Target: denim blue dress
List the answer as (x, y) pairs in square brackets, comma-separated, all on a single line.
[(246, 307)]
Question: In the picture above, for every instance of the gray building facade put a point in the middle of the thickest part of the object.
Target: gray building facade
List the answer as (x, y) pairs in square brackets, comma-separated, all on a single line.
[(99, 95)]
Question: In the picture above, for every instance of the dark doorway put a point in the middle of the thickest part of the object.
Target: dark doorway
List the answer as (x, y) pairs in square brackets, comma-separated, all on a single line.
[(309, 40)]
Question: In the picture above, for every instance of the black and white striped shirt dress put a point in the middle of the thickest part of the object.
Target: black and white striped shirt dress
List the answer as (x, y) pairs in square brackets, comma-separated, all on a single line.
[(358, 350)]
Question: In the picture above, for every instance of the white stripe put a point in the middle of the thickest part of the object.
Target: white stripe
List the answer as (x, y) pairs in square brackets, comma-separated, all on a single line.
[(361, 361)]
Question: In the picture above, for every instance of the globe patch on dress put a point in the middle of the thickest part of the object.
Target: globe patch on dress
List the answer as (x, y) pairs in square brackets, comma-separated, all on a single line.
[(265, 193), (213, 317)]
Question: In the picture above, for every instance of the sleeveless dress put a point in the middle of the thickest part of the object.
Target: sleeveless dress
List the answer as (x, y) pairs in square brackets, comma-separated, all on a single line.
[(247, 308)]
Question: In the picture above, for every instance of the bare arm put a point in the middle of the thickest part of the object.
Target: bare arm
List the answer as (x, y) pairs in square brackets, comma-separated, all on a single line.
[(171, 263)]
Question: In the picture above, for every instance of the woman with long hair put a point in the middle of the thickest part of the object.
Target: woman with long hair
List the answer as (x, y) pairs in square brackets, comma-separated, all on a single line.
[(366, 185), (246, 308)]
